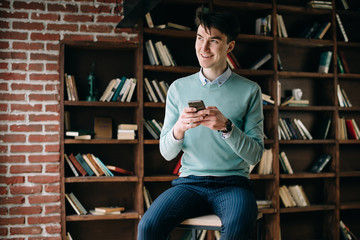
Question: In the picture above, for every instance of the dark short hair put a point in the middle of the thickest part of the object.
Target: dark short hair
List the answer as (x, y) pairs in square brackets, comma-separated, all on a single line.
[(225, 22)]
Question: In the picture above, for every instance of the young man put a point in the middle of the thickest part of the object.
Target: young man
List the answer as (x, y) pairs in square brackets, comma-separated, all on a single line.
[(218, 143)]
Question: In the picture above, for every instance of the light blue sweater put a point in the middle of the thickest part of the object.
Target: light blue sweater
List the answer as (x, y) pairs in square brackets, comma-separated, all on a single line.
[(205, 151)]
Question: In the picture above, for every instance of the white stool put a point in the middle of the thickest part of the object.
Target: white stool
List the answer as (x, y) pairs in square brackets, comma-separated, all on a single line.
[(212, 222)]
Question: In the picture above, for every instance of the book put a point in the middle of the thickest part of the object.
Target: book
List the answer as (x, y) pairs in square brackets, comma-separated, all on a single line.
[(325, 60), (344, 62), (351, 129), (320, 163), (342, 29), (109, 209), (71, 165), (119, 170), (125, 90), (176, 170), (304, 129), (83, 137), (177, 26), (123, 134), (151, 90), (286, 197), (77, 164), (286, 164), (261, 62), (153, 52), (68, 236), (77, 203), (150, 129), (93, 167), (93, 212), (163, 56), (118, 89), (103, 128), (72, 204), (108, 90), (83, 163), (149, 20), (127, 126), (106, 171), (267, 98), (323, 130), (132, 89), (265, 164), (147, 197), (282, 27), (156, 85), (75, 133), (323, 28)]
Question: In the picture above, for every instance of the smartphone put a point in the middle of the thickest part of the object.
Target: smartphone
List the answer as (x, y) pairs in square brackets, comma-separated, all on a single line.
[(198, 104)]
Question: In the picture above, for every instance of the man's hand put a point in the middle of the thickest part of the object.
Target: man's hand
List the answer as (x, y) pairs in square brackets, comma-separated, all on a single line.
[(189, 118), (213, 119)]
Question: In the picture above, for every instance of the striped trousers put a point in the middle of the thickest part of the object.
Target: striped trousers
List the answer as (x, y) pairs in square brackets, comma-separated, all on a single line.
[(230, 197)]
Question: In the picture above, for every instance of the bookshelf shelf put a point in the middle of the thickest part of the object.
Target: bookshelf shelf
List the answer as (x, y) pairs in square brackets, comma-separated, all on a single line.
[(350, 205), (249, 6), (102, 179), (89, 217), (100, 141), (311, 208), (100, 104), (163, 178), (350, 174), (308, 175), (330, 141)]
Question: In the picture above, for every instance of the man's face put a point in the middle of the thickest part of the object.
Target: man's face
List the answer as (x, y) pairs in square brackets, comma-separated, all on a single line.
[(211, 48)]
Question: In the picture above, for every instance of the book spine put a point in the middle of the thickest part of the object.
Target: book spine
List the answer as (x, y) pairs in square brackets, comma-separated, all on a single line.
[(342, 29)]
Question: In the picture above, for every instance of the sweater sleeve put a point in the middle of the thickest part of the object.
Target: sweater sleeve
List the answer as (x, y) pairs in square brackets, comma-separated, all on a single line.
[(169, 146), (249, 144)]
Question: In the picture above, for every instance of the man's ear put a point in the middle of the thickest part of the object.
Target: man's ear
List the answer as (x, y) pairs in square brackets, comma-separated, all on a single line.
[(231, 46)]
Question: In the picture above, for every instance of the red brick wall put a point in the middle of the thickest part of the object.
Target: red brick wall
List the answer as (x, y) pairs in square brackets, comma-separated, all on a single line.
[(30, 32)]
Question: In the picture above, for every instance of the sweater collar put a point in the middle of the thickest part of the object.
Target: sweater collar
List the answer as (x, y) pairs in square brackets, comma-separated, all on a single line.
[(219, 80)]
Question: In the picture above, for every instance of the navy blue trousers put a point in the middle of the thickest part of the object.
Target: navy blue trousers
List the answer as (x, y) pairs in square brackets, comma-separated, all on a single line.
[(231, 198)]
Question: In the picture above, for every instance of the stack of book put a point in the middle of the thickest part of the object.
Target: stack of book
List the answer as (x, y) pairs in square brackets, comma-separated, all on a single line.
[(267, 99), (75, 204), (232, 61), (290, 101), (107, 210), (293, 196), (319, 4), (90, 165), (285, 163), (71, 89), (290, 129), (80, 134), (156, 91), (153, 127), (265, 164), (348, 129), (119, 90), (159, 54), (127, 131), (170, 25), (263, 26), (316, 30), (343, 99), (263, 203), (282, 32)]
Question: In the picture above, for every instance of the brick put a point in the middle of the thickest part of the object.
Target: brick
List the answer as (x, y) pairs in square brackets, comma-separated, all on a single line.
[(4, 65), (11, 14), (108, 19), (94, 9), (11, 97), (25, 210), (52, 209), (10, 138), (45, 36), (12, 200), (28, 45), (3, 170), (52, 188), (25, 230), (44, 77), (19, 67), (15, 169), (43, 97), (26, 107), (36, 67), (12, 159), (3, 190), (52, 108), (44, 138), (72, 37), (3, 149), (13, 35), (44, 56), (53, 229), (44, 158), (62, 8), (21, 190), (52, 47), (41, 238), (43, 117), (52, 128), (28, 25), (11, 117), (62, 27), (29, 5), (26, 86), (78, 18), (12, 180), (44, 199), (5, 4), (44, 179), (118, 39), (3, 231), (4, 24), (52, 148), (13, 55), (12, 76), (4, 86), (26, 148), (96, 28), (26, 128), (3, 211), (45, 16), (12, 221), (3, 107), (52, 67), (52, 168), (4, 127), (52, 87)]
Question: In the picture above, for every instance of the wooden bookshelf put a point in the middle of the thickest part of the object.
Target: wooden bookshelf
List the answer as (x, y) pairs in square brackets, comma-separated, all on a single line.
[(331, 192)]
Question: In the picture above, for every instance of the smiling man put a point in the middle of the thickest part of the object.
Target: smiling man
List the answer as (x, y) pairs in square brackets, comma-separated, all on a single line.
[(218, 143)]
